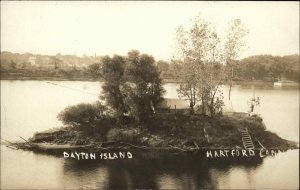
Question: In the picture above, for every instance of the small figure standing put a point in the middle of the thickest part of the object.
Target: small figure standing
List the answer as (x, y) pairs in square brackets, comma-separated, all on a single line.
[(253, 102)]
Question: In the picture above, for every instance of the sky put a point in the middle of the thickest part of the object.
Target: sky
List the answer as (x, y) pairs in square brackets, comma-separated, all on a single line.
[(107, 27)]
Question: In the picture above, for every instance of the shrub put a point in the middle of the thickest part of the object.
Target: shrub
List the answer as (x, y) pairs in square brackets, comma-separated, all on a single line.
[(125, 135), (83, 114)]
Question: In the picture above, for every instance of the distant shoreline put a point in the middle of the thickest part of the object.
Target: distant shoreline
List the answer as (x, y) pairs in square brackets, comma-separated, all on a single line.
[(50, 79), (246, 83)]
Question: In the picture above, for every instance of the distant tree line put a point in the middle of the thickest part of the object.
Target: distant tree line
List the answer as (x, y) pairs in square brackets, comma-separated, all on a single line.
[(22, 61), (31, 66), (267, 67), (258, 67)]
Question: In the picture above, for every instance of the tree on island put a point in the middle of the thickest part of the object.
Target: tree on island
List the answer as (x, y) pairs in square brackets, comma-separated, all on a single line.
[(132, 85), (112, 73), (144, 86), (201, 57), (235, 42)]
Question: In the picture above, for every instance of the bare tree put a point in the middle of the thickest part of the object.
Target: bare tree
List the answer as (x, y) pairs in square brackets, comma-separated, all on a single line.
[(200, 53), (235, 42), (201, 56)]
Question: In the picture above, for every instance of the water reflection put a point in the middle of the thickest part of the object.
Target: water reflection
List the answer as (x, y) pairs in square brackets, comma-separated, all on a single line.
[(181, 171), (84, 174), (148, 170)]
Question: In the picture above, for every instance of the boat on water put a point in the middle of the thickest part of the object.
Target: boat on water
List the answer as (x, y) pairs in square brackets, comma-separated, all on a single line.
[(286, 83)]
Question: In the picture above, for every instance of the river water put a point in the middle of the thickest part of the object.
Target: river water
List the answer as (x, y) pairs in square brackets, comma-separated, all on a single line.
[(31, 106)]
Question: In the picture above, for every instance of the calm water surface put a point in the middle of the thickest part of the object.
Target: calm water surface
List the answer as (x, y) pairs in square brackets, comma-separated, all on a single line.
[(31, 106)]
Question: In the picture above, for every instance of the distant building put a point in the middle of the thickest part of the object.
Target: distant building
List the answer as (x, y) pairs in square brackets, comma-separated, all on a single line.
[(32, 61), (284, 82)]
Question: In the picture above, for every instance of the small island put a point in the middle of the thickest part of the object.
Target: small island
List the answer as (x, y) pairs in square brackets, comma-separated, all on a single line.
[(164, 132), (132, 114)]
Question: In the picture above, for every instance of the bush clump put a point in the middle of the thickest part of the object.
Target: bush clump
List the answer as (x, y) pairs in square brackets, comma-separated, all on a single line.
[(123, 134), (86, 115)]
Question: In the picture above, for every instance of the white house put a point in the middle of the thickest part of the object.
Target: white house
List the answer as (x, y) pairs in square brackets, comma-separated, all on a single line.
[(32, 61)]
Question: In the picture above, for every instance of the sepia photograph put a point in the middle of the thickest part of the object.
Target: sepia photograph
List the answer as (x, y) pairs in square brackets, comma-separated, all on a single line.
[(149, 95)]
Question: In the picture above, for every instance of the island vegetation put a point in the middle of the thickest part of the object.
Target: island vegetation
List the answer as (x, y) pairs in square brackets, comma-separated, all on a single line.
[(129, 112)]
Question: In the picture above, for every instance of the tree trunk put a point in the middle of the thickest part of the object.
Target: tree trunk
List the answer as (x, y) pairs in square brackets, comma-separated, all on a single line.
[(192, 101), (212, 111), (203, 106), (230, 82), (192, 108)]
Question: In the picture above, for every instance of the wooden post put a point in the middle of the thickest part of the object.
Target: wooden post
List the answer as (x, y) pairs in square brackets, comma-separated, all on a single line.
[(206, 135)]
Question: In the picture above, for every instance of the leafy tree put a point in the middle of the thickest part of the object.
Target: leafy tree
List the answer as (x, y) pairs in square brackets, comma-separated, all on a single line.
[(291, 66), (12, 65), (95, 70), (24, 65), (5, 65), (163, 67), (113, 74), (175, 69), (144, 85), (131, 85)]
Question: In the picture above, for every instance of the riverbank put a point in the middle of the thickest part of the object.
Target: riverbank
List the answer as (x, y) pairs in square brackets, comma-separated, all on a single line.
[(4, 76), (47, 78), (164, 132)]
